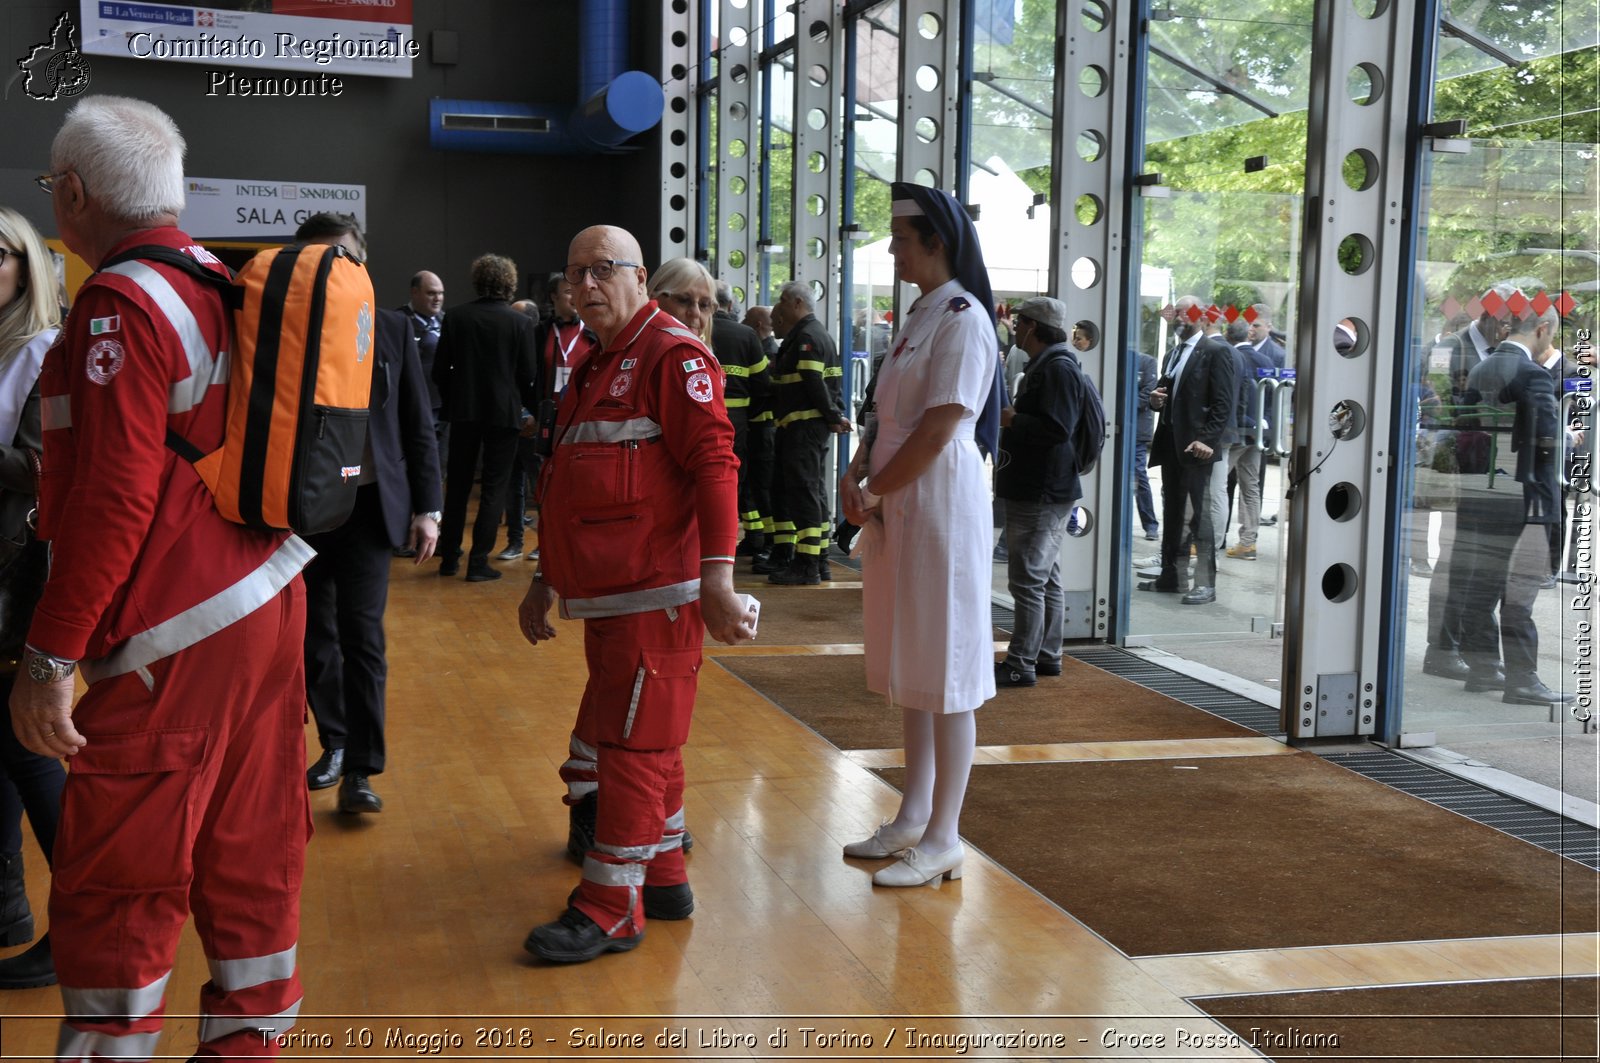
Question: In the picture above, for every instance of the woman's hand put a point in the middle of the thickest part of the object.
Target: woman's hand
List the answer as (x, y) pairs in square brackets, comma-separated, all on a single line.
[(850, 498)]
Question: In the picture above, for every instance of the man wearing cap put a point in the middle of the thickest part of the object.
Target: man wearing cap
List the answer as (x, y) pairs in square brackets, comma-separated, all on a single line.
[(1037, 484)]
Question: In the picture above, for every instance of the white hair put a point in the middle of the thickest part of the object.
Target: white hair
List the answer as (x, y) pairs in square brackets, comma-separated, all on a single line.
[(128, 154), (800, 292)]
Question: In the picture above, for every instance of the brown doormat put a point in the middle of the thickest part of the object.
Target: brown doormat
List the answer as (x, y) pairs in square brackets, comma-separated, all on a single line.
[(1538, 1018), (1086, 704), (1232, 853), (807, 616)]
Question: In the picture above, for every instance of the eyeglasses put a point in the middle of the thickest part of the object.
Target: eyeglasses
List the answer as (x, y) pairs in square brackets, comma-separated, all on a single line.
[(603, 270), (706, 305), (47, 181), (6, 252)]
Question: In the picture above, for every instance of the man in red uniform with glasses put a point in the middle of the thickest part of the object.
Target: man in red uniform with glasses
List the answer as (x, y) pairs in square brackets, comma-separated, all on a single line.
[(638, 519)]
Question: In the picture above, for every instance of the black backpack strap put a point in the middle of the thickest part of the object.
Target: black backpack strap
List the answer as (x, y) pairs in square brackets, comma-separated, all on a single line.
[(232, 294)]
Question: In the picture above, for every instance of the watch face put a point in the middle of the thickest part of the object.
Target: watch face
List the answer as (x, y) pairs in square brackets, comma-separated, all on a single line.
[(40, 669)]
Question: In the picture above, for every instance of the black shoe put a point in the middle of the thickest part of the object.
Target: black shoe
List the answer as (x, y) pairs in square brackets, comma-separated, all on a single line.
[(1159, 587), (482, 573), (1533, 692), (688, 840), (778, 558), (1007, 674), (1200, 596), (1482, 679), (824, 570), (449, 566), (802, 572), (1445, 665), (575, 938), (355, 795), (16, 918), (580, 826), (326, 771), (404, 551), (36, 967), (668, 902), (1044, 666)]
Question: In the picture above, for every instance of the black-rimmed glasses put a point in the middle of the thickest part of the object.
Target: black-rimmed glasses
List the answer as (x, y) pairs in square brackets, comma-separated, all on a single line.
[(603, 270)]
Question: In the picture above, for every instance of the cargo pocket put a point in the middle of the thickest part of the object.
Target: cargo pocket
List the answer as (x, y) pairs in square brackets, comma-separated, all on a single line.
[(130, 812), (323, 488), (611, 553), (662, 701)]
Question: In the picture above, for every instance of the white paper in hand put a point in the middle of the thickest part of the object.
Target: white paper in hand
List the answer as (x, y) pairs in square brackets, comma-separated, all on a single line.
[(752, 608)]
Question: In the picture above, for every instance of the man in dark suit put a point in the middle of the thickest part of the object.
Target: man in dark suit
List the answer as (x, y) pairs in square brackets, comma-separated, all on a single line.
[(1195, 398), (1244, 460), (487, 368), (1141, 448), (347, 583), (1260, 336)]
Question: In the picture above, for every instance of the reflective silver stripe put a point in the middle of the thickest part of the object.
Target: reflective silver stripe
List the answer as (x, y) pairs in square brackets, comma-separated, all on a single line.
[(582, 789), (674, 594), (575, 764), (227, 607), (90, 1044), (604, 874), (676, 821), (105, 1005), (579, 749), (216, 1027), (630, 431), (633, 902), (204, 368), (684, 333), (669, 842), (55, 412), (633, 702), (627, 852), (231, 976)]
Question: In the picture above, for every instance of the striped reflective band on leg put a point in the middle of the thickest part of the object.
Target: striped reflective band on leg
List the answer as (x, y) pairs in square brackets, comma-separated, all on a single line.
[(628, 852), (205, 369), (633, 703), (113, 1005), (676, 821), (231, 976), (74, 1044), (216, 1027), (602, 873)]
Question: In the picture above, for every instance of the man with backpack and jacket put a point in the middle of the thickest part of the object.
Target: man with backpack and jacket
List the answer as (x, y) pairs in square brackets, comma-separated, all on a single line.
[(1036, 481)]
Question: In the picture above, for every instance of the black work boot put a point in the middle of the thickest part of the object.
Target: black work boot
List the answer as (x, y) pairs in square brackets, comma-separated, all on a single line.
[(802, 572), (824, 570), (16, 918), (580, 826), (36, 967), (778, 559), (668, 902), (575, 938)]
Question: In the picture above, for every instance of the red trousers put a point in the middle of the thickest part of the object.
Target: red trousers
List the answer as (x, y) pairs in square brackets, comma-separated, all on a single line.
[(190, 796), (643, 672)]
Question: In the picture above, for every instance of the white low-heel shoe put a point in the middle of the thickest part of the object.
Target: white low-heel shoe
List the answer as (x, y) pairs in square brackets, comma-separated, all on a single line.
[(885, 842), (917, 868)]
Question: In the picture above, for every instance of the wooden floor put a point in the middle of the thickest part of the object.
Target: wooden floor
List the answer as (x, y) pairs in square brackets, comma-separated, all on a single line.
[(414, 919)]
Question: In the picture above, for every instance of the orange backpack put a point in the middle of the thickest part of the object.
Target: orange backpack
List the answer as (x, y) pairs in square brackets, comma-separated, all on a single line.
[(299, 383)]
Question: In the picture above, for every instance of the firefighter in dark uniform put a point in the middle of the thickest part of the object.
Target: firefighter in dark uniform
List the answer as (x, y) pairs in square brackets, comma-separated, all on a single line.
[(762, 445), (808, 405), (745, 366)]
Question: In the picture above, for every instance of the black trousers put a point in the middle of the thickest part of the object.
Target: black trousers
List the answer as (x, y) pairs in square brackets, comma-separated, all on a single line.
[(499, 449), (1498, 560), (802, 465), (347, 591), (761, 446), (1187, 486), (524, 476)]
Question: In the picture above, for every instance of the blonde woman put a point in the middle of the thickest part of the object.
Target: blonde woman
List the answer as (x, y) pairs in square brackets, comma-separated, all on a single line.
[(29, 316), (685, 290)]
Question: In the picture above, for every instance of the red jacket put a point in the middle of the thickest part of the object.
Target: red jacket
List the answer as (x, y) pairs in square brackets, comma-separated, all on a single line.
[(642, 484), (136, 540)]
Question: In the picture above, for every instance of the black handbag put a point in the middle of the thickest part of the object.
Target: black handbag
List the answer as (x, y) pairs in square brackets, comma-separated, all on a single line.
[(24, 565)]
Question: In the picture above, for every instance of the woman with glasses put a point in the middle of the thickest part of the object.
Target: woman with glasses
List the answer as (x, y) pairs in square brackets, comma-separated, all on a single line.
[(28, 326), (686, 291)]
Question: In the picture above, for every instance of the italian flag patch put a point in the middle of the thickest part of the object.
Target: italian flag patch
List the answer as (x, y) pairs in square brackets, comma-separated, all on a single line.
[(99, 326), (693, 364)]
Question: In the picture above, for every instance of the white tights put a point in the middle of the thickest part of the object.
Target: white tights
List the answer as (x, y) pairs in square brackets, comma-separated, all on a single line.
[(939, 748)]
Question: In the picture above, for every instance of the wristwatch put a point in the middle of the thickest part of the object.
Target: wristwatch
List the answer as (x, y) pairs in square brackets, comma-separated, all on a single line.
[(436, 516), (42, 668)]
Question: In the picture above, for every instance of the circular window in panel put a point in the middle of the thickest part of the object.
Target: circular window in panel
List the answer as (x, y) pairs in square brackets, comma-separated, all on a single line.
[(679, 138), (1365, 84), (927, 78), (816, 205), (816, 247), (1370, 8), (1351, 337), (1343, 502), (679, 71), (1340, 583), (819, 31), (817, 118), (1085, 272), (1094, 15), (738, 294), (1356, 254), (679, 38), (1086, 333), (737, 110), (679, 170), (677, 234), (927, 129), (817, 162), (738, 37), (736, 259), (736, 223), (819, 291), (677, 202), (679, 105), (1360, 169), (817, 75), (926, 178), (1347, 419), (1091, 145), (1089, 209), (1092, 81), (737, 185), (737, 149), (1080, 522), (740, 74), (738, 5), (929, 27)]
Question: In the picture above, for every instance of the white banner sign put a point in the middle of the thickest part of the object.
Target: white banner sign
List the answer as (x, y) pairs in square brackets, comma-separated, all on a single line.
[(226, 208)]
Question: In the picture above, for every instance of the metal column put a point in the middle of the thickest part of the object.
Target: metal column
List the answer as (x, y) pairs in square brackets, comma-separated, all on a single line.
[(930, 106), (818, 151), (738, 108), (680, 76)]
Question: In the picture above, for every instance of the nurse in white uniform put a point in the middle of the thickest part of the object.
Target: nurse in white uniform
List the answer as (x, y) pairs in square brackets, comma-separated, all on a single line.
[(919, 493)]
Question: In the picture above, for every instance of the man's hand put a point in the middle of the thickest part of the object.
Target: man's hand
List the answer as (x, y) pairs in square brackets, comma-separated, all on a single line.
[(1158, 398), (41, 716), (1007, 414), (424, 537), (1199, 450), (533, 615), (725, 616), (841, 427)]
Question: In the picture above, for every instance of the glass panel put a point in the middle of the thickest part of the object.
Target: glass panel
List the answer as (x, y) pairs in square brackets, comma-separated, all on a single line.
[(1496, 555), (1226, 130)]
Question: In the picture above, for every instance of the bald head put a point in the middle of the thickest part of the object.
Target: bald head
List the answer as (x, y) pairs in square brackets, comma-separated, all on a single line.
[(609, 304), (427, 293)]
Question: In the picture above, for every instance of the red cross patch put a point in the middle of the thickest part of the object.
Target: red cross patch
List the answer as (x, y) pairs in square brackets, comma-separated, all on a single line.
[(105, 361), (699, 387), (620, 384)]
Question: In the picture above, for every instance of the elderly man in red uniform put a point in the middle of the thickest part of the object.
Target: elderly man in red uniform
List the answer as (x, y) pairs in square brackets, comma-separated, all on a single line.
[(187, 790), (638, 520)]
